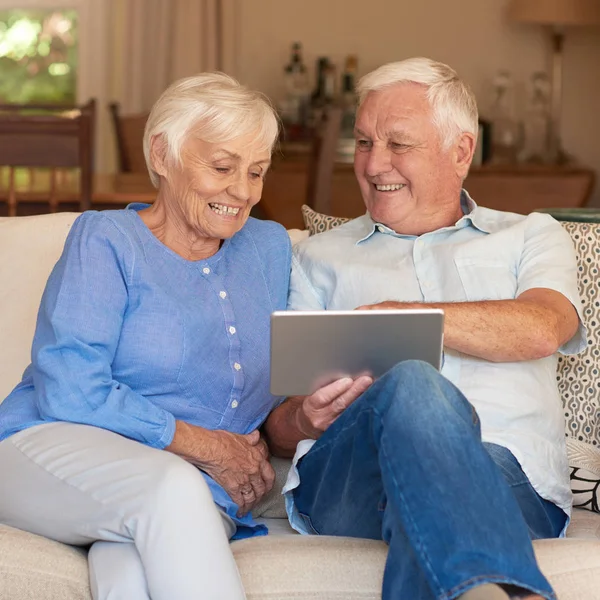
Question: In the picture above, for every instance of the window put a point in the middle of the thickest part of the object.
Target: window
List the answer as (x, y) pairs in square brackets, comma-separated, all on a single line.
[(38, 55)]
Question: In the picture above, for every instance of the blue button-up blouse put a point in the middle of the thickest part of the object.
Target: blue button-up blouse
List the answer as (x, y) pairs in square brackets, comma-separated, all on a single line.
[(130, 336)]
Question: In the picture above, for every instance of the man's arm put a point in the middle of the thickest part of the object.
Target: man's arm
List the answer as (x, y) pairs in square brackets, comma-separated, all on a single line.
[(532, 326)]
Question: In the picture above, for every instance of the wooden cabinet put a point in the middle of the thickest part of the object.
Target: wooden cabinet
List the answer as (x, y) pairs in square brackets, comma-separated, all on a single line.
[(523, 189), (519, 189)]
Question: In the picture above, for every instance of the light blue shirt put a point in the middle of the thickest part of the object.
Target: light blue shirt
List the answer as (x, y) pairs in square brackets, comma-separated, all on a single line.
[(486, 255), (130, 336)]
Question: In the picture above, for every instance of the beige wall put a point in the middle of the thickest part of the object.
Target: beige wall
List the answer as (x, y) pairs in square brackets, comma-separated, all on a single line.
[(471, 35)]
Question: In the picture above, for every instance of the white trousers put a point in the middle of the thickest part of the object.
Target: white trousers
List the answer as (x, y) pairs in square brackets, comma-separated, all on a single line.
[(149, 515)]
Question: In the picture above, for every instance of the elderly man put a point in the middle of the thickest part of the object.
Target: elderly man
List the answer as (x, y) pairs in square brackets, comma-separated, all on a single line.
[(456, 471)]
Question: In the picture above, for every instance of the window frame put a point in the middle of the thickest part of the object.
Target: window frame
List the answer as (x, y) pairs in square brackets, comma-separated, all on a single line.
[(93, 59)]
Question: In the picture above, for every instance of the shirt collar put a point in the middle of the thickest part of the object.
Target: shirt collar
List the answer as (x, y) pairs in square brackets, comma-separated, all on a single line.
[(472, 216)]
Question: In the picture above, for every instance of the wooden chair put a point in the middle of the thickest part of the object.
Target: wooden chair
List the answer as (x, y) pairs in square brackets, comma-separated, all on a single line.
[(55, 137), (129, 135), (322, 160)]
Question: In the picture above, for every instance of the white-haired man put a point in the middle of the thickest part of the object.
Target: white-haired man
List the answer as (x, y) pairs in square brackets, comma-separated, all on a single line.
[(456, 471)]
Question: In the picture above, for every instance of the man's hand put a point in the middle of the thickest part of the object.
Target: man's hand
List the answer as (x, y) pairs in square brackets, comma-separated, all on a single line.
[(317, 412), (392, 305), (307, 417), (238, 463)]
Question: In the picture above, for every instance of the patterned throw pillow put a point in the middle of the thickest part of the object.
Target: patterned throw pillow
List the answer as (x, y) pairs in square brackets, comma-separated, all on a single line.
[(318, 223), (579, 376)]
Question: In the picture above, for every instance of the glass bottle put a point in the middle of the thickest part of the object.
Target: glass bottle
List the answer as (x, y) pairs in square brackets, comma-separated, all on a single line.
[(325, 88), (348, 95), (536, 124), (505, 128), (295, 105)]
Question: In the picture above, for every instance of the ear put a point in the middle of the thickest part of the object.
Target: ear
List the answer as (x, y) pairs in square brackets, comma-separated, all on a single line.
[(158, 154), (463, 154)]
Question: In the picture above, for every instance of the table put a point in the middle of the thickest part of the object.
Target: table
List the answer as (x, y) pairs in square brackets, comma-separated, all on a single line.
[(519, 189), (110, 191)]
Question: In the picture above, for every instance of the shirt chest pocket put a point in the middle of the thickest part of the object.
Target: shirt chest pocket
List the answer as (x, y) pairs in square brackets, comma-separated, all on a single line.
[(486, 278)]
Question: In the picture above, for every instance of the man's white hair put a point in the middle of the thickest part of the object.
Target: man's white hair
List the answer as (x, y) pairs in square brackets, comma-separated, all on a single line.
[(452, 102), (212, 106)]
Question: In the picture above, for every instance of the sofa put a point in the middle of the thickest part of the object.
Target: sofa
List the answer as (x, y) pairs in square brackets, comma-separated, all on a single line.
[(283, 565)]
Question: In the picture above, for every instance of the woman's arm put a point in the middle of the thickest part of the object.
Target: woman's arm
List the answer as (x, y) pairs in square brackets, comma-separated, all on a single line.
[(77, 334)]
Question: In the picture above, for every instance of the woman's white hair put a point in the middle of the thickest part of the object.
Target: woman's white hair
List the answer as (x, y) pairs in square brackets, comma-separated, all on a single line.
[(212, 106), (452, 102)]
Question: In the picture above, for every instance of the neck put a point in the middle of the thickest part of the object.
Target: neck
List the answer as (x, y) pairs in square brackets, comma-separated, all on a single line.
[(438, 217), (166, 221)]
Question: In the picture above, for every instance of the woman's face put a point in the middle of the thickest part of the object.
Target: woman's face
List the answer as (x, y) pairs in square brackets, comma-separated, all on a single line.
[(211, 193)]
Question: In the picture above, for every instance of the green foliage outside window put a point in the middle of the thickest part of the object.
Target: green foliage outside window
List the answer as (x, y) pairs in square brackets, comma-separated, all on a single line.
[(38, 56)]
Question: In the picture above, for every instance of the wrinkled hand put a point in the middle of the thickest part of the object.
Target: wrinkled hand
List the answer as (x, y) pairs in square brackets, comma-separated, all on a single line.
[(318, 411), (240, 464)]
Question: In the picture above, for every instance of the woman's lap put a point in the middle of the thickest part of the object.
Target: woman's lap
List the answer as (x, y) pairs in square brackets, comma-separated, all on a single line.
[(77, 483)]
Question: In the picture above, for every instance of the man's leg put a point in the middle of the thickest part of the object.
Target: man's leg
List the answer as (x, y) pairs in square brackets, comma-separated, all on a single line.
[(78, 484), (405, 463), (543, 518)]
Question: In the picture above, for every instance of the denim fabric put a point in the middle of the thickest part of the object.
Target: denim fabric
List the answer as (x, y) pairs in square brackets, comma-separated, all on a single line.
[(405, 463)]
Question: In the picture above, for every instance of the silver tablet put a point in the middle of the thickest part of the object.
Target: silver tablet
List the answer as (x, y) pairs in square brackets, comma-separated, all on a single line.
[(313, 348)]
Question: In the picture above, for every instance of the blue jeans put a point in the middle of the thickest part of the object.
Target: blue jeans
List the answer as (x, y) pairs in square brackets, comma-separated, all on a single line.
[(405, 463)]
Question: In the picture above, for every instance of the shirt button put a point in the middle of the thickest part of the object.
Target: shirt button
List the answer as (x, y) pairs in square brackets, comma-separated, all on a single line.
[(237, 366), (234, 404), (223, 294), (380, 229), (232, 330), (206, 270)]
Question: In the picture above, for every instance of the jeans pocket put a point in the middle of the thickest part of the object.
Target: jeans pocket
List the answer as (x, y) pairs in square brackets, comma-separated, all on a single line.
[(308, 524)]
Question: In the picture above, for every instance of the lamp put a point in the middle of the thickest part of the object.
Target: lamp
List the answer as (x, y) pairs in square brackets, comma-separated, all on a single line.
[(556, 15)]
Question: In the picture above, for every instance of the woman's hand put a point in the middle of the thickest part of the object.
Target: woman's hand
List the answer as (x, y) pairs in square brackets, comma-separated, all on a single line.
[(318, 411), (238, 463), (241, 466)]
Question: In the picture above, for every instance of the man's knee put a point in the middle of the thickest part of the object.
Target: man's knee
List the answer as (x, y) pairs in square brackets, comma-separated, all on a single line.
[(408, 380), (415, 391)]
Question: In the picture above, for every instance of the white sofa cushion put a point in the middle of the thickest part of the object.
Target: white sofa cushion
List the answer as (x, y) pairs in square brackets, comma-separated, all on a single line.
[(284, 567), (29, 248)]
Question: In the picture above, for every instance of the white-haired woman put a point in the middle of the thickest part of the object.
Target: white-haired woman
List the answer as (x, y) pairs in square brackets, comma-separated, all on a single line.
[(134, 429)]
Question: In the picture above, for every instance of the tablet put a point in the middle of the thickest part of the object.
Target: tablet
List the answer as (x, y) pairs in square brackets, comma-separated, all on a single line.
[(310, 349)]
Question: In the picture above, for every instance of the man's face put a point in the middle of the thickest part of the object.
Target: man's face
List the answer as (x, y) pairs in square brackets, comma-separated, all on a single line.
[(408, 182)]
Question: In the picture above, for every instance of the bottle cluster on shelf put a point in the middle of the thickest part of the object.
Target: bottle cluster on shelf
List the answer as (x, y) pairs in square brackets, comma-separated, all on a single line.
[(302, 106)]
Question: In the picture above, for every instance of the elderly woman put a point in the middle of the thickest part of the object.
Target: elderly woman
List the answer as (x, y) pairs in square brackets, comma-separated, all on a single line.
[(135, 428)]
